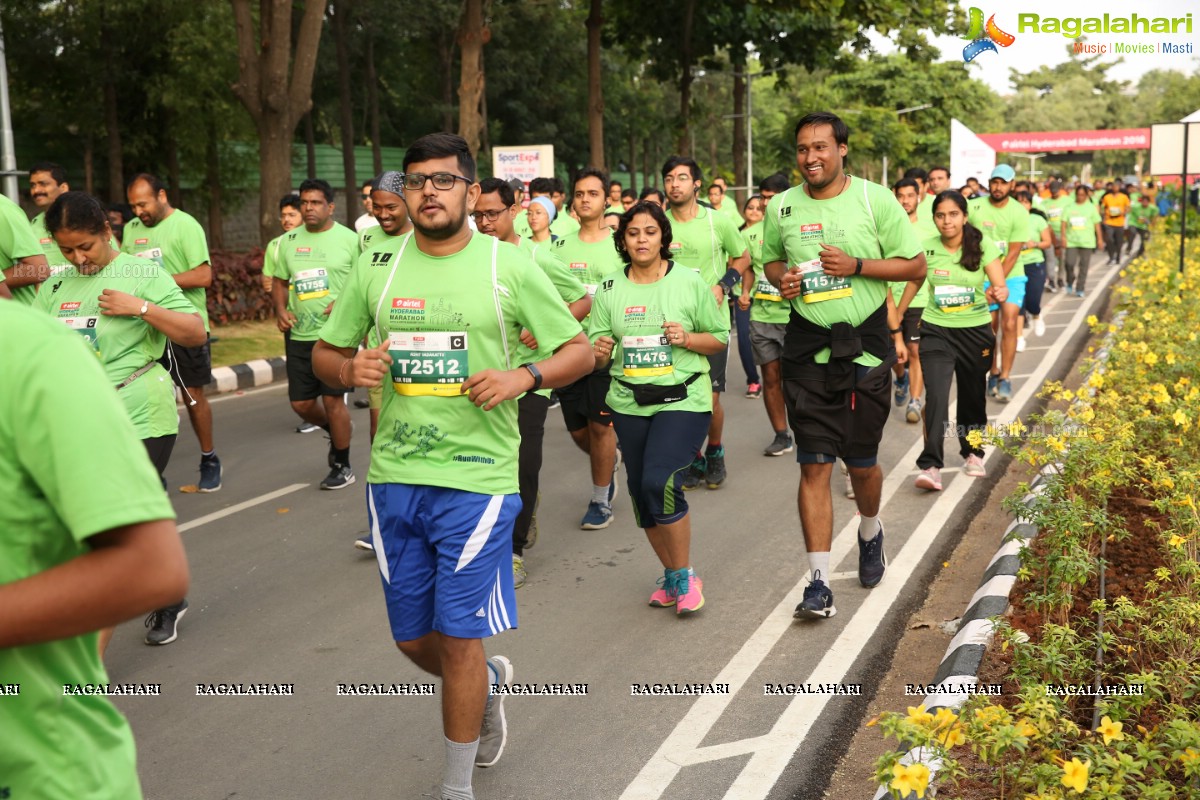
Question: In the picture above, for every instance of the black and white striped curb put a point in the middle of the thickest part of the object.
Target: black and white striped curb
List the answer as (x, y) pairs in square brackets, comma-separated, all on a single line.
[(258, 372), (958, 675)]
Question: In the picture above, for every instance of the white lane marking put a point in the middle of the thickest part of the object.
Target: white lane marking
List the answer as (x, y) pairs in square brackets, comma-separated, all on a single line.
[(227, 512), (774, 750)]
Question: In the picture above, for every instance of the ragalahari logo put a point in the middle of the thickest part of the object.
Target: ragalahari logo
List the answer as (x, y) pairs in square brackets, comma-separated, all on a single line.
[(984, 37)]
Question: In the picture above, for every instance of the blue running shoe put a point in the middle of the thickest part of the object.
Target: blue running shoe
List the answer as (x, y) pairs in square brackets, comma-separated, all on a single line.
[(817, 603), (596, 518)]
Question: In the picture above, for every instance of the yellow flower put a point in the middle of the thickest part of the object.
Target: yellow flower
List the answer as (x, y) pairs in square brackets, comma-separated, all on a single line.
[(1092, 320), (953, 737), (975, 438), (919, 716), (1027, 729), (1111, 731), (1056, 443), (1075, 774), (943, 718), (911, 778), (1180, 418), (1150, 359), (1096, 380), (1177, 541), (1190, 756)]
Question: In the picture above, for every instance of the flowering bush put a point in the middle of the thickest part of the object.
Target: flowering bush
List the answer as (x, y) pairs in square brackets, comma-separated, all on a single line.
[(1129, 437), (236, 294)]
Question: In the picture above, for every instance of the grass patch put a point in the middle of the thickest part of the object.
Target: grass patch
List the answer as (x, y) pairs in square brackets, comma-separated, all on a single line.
[(239, 342)]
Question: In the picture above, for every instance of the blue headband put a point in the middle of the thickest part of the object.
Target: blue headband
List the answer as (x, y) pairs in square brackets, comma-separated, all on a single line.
[(548, 204)]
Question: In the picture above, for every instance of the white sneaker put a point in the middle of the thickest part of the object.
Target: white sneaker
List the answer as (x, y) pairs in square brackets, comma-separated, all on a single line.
[(974, 467), (1020, 344), (1039, 327), (849, 483)]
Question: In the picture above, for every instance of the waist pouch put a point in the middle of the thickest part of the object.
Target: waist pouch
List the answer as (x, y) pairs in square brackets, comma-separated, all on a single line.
[(650, 394)]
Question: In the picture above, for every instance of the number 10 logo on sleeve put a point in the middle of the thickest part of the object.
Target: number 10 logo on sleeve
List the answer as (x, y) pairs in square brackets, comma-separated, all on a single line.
[(428, 364)]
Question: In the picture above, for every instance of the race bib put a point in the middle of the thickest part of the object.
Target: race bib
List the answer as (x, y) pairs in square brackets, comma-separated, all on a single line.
[(425, 364), (952, 299), (86, 326), (817, 287), (311, 284), (1077, 223), (764, 290), (1114, 211), (646, 356), (154, 254)]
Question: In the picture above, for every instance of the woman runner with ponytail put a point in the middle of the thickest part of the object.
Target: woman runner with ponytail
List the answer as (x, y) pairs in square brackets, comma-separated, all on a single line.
[(956, 333)]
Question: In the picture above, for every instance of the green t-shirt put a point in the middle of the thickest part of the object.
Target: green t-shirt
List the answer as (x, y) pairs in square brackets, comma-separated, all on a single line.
[(864, 221), (315, 265), (54, 256), (617, 209), (369, 237), (521, 224), (177, 244), (1081, 219), (1053, 208), (562, 225), (956, 295), (590, 262), (1141, 216), (923, 228), (16, 242), (706, 243), (1037, 224), (565, 283), (925, 208), (442, 319), (633, 315), (766, 304), (123, 344), (1002, 225), (729, 209), (71, 466), (271, 256)]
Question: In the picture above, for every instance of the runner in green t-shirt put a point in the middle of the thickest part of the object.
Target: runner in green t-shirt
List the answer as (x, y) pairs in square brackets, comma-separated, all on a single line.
[(708, 242), (442, 491), (652, 326), (494, 213), (716, 199), (21, 257), (910, 385), (539, 215), (174, 239), (1006, 222), (1141, 217), (768, 322), (1053, 207), (87, 541), (564, 223), (1081, 232), (314, 262), (591, 256), (1033, 261), (831, 245), (127, 309), (956, 333), (614, 198), (47, 181)]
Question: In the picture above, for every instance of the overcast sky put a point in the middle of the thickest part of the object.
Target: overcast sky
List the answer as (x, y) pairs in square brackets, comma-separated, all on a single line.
[(1031, 50)]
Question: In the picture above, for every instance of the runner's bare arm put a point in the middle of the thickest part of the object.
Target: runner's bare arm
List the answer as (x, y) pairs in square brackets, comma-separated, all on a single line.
[(344, 367), (129, 571), (741, 263), (581, 307), (841, 264), (184, 329), (284, 319), (195, 278), (490, 387), (28, 271)]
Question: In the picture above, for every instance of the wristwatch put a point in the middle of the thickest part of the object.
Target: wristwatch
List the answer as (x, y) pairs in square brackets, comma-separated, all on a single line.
[(858, 266), (537, 376), (145, 308)]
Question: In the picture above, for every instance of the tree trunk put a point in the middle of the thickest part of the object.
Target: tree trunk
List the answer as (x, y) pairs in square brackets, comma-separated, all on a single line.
[(310, 145), (341, 13), (373, 104), (633, 176), (595, 21), (471, 36), (485, 140), (685, 80), (212, 179), (651, 178), (174, 179), (275, 86), (739, 133), (112, 128), (89, 165)]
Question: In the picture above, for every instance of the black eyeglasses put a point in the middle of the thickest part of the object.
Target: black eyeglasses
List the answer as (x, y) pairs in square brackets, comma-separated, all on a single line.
[(367, 196), (490, 216), (443, 181)]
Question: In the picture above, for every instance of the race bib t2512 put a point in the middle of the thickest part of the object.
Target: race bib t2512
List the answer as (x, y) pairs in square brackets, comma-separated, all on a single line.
[(428, 364)]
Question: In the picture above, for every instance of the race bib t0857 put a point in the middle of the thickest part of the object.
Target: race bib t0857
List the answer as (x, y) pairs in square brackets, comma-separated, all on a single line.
[(646, 356), (428, 364), (816, 286)]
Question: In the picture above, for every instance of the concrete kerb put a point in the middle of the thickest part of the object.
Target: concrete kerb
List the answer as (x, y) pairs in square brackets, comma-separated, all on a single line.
[(252, 374), (958, 674)]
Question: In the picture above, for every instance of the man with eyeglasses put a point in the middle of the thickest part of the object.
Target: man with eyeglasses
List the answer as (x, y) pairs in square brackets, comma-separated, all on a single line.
[(494, 214), (709, 243), (367, 220), (591, 256), (311, 266), (442, 496)]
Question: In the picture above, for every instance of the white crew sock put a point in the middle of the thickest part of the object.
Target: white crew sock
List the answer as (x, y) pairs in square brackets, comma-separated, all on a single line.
[(868, 527), (600, 495), (460, 761), (818, 565)]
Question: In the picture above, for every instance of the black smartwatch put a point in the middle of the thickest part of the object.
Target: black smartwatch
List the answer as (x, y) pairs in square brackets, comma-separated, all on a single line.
[(537, 376), (858, 266), (894, 331)]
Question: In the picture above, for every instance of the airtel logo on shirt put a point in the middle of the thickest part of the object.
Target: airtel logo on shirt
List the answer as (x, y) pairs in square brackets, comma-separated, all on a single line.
[(141, 241), (408, 302), (635, 310)]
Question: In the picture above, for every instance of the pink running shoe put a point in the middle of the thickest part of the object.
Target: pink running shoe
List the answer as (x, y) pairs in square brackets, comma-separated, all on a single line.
[(691, 597), (666, 596), (930, 479)]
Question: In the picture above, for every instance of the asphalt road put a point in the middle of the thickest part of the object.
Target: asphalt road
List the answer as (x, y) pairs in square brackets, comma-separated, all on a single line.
[(280, 596)]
